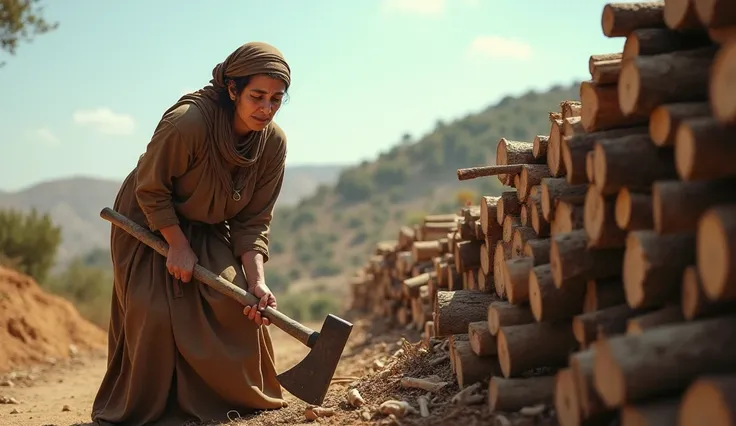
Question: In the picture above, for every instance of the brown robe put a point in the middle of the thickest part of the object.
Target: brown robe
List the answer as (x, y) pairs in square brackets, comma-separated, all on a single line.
[(183, 350)]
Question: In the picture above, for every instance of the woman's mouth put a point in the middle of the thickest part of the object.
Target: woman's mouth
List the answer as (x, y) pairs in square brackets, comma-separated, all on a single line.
[(260, 120)]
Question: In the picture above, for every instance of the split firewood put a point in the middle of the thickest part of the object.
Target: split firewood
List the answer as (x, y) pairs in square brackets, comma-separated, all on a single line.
[(396, 407), (427, 384), (313, 412), (355, 399)]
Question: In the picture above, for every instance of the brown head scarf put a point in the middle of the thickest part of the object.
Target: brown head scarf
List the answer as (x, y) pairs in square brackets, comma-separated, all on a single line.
[(224, 146)]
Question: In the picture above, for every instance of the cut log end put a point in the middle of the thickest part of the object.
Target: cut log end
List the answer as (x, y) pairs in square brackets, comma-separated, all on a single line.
[(713, 395), (608, 378), (722, 84), (623, 209), (714, 252), (566, 398), (629, 87)]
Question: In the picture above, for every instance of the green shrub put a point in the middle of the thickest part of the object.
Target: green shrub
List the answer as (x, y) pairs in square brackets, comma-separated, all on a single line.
[(29, 242)]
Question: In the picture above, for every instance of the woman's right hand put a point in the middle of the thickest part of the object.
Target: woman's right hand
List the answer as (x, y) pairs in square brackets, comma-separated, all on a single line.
[(180, 261)]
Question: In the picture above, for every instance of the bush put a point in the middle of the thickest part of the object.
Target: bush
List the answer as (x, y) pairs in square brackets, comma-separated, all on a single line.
[(276, 280), (89, 288), (325, 268), (301, 218), (29, 242), (354, 185), (308, 307)]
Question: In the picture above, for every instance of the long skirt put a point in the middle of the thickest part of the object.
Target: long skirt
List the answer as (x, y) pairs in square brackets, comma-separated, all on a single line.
[(179, 351)]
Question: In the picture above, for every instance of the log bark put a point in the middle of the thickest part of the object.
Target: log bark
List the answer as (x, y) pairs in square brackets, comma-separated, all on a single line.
[(453, 340), (591, 405), (538, 250), (539, 147), (502, 313), (571, 259), (425, 250), (653, 266), (413, 284), (654, 41), (481, 340), (604, 293), (695, 303), (454, 310), (558, 189), (549, 303), (592, 60), (610, 321), (510, 152), (670, 357), (469, 173), (641, 323), (568, 218), (677, 206), (704, 148), (467, 255), (634, 210), (656, 412), (607, 72), (534, 345), (569, 108), (541, 226), (511, 395), (716, 254), (531, 175), (601, 110), (722, 84), (712, 394), (649, 81), (516, 276), (488, 208), (575, 149), (508, 205), (621, 19), (631, 161), (599, 220), (666, 119), (471, 368)]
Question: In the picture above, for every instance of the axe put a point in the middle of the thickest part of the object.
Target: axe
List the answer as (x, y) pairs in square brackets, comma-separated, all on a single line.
[(310, 378)]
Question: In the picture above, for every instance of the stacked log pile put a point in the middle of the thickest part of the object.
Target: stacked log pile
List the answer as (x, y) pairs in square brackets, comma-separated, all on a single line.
[(603, 282)]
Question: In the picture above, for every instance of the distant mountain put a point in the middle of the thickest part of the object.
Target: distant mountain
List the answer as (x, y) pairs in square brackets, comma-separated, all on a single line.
[(74, 203)]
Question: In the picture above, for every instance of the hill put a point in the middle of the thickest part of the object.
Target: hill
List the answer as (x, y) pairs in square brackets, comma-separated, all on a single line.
[(331, 232), (74, 204)]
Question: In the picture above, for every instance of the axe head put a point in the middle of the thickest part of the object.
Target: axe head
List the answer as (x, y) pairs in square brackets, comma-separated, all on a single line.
[(310, 378)]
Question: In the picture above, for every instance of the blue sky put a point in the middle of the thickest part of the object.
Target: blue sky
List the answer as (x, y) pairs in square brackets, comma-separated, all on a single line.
[(85, 99)]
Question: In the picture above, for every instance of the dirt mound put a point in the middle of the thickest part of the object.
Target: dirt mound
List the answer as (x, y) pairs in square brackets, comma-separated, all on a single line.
[(36, 326)]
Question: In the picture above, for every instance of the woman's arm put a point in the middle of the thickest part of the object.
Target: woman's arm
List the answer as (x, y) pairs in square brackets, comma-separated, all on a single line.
[(253, 266)]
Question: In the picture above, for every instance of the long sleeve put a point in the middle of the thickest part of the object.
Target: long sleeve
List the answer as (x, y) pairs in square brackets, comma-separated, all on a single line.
[(249, 229), (167, 157)]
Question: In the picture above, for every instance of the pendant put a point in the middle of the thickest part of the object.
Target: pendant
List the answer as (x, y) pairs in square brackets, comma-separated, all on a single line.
[(236, 195)]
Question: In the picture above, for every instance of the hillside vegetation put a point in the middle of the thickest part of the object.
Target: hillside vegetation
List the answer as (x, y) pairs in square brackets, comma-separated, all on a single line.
[(331, 232)]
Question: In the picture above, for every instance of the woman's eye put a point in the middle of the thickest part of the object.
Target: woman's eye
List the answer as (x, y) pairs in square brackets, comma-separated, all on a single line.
[(258, 98)]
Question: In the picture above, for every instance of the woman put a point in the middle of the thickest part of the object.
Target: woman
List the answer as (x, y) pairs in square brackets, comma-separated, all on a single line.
[(207, 183)]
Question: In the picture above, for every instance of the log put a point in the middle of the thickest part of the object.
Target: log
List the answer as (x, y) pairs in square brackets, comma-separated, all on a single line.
[(666, 119), (539, 147), (522, 234), (621, 19), (481, 340), (592, 60), (631, 161), (716, 254), (549, 303), (413, 284), (570, 259), (508, 205), (486, 259), (604, 293), (653, 266), (670, 357), (501, 314), (511, 395), (541, 227), (540, 344), (510, 223), (425, 250), (599, 220), (510, 152), (488, 208), (406, 237), (649, 81), (575, 149), (668, 315), (654, 41), (610, 321), (722, 84), (538, 250), (531, 175), (710, 400), (677, 206), (703, 148), (467, 255), (590, 166), (516, 276), (469, 173), (601, 110), (501, 254), (715, 13), (695, 303), (558, 189), (566, 403), (680, 15), (607, 72), (591, 405), (634, 210), (454, 310), (568, 217), (553, 148), (470, 368), (656, 412), (569, 108)]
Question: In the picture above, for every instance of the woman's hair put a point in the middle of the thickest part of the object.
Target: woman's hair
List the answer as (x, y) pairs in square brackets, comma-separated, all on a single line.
[(240, 83)]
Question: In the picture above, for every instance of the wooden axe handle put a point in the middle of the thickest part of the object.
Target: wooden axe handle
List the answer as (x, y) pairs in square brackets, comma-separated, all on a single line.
[(298, 331)]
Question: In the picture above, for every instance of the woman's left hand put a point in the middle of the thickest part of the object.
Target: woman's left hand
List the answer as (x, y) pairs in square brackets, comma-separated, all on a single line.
[(253, 313)]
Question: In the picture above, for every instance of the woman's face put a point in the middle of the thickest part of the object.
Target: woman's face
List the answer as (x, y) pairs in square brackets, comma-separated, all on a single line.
[(257, 104)]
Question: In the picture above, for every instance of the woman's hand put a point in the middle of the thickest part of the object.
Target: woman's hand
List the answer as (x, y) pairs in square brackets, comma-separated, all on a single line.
[(180, 261), (253, 313)]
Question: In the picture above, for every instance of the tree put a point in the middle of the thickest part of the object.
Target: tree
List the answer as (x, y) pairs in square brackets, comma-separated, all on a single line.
[(28, 242), (21, 20)]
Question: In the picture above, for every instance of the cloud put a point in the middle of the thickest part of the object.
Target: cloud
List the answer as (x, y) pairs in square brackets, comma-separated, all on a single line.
[(105, 121), (495, 47), (416, 7), (43, 136)]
